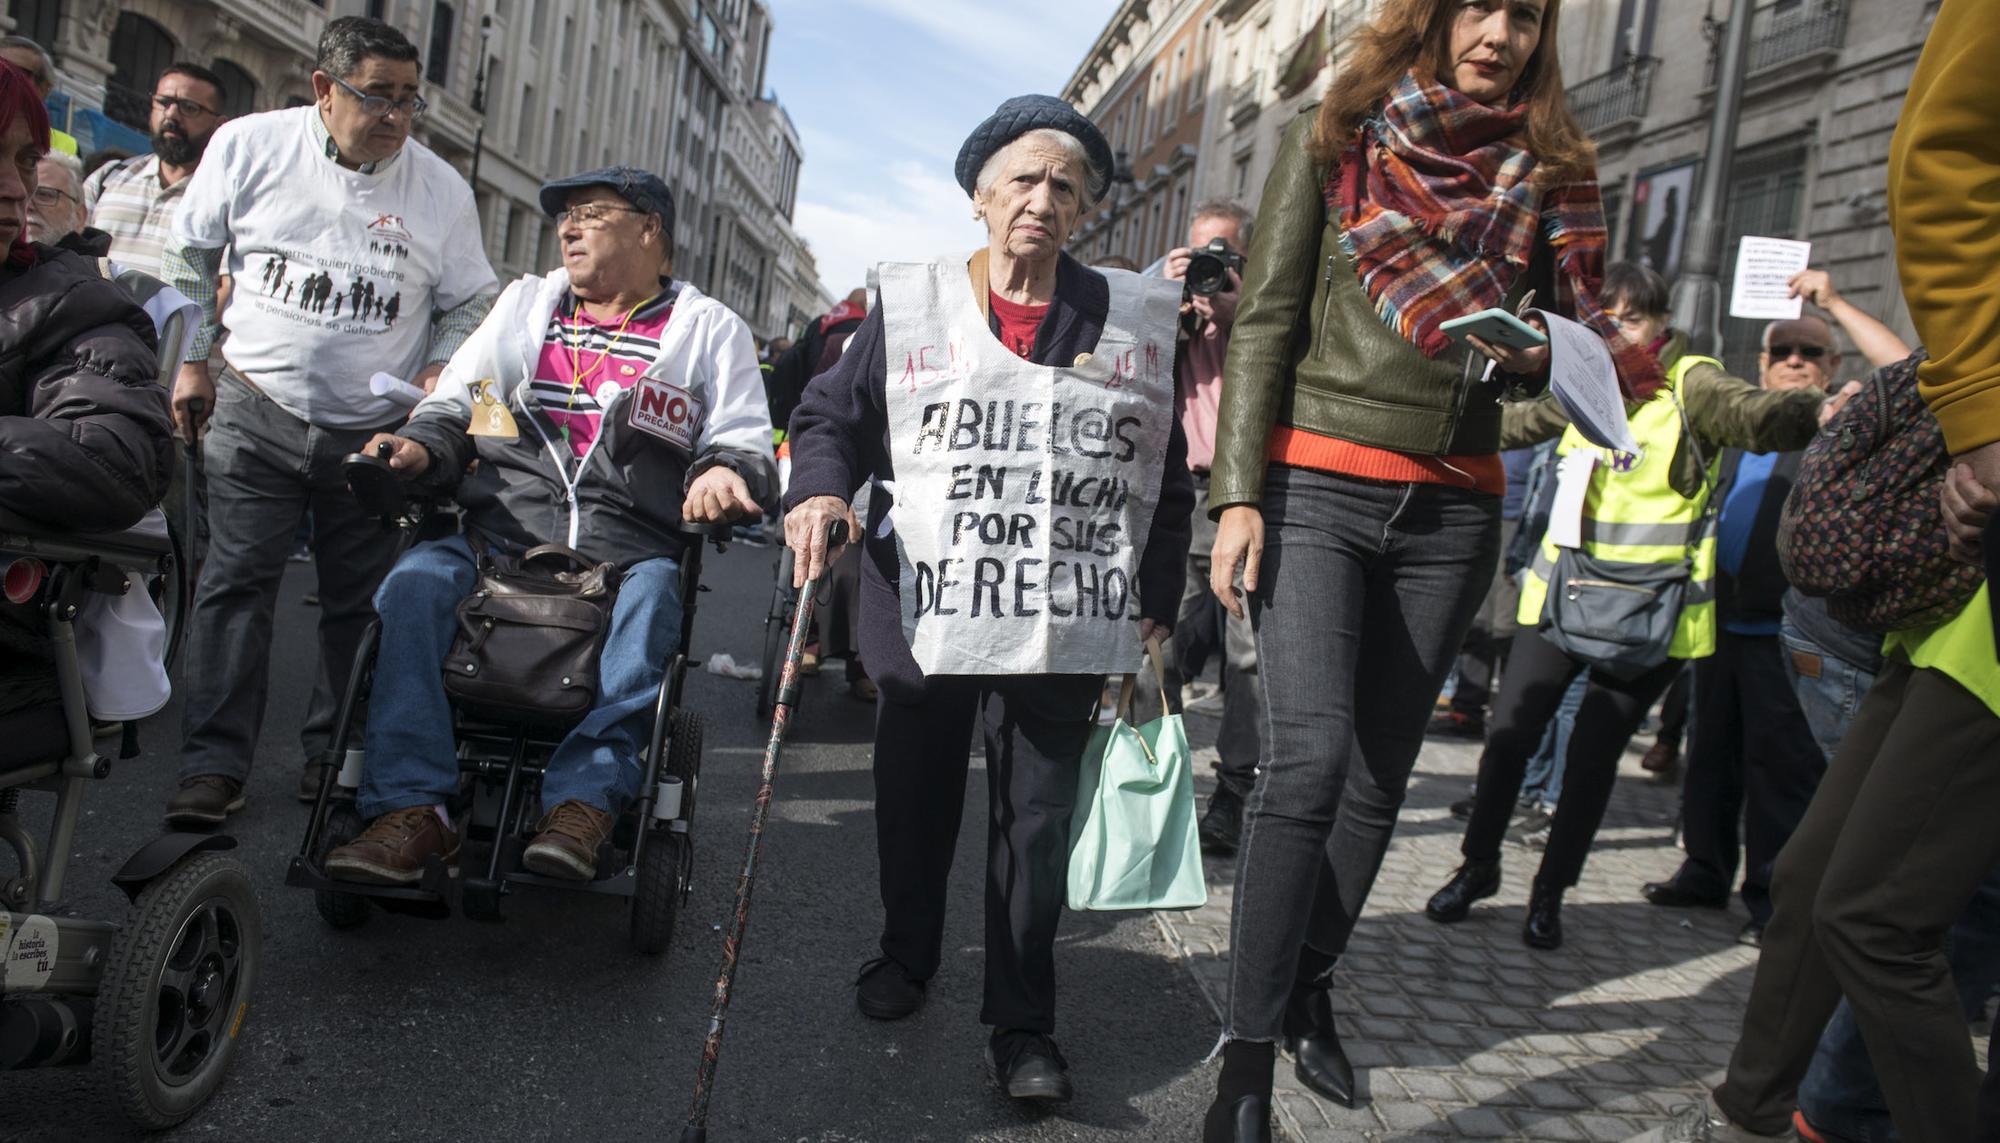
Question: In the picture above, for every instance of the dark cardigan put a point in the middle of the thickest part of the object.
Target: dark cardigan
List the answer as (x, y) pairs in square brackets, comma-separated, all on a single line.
[(840, 438)]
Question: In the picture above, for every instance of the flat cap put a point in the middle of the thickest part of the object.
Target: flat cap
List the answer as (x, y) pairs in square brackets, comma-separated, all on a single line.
[(1025, 113), (643, 189)]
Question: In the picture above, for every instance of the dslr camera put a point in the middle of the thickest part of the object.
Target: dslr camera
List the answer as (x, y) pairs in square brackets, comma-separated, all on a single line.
[(1209, 266)]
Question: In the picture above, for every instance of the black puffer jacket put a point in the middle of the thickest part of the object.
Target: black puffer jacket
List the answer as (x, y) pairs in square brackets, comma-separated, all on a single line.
[(86, 437)]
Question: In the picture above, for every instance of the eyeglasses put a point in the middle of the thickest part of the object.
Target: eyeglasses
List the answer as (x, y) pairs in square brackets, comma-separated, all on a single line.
[(185, 106), (381, 106), (49, 196), (1808, 352), (593, 214)]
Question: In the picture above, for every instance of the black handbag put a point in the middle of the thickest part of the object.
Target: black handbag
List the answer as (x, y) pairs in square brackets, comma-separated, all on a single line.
[(529, 637)]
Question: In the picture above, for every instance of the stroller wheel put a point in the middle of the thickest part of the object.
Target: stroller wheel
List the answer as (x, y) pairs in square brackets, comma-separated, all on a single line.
[(341, 910), (176, 989)]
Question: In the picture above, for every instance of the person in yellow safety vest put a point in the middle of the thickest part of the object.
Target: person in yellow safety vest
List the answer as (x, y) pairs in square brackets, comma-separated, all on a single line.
[(1643, 510)]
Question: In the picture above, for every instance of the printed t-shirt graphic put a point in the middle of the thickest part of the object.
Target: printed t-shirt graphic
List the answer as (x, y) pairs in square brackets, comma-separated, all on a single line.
[(337, 272), (585, 364)]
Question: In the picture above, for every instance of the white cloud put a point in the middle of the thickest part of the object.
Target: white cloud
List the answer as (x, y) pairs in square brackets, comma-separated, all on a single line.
[(911, 214)]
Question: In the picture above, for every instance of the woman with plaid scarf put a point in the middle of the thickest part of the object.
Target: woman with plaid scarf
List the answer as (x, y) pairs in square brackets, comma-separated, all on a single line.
[(1357, 479)]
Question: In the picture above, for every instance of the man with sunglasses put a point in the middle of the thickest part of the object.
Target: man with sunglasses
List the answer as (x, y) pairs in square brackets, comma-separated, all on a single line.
[(1755, 753), (134, 200), (331, 200)]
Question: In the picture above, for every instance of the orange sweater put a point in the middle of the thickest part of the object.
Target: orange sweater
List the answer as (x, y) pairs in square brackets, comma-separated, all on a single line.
[(1301, 449)]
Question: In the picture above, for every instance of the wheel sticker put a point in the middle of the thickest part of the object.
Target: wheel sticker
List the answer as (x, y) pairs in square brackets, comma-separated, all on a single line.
[(31, 955)]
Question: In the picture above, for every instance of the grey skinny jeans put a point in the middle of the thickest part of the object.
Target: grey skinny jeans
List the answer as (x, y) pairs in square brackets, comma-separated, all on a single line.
[(1367, 591)]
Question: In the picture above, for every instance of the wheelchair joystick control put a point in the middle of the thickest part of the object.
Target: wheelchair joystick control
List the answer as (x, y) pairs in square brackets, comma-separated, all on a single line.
[(385, 450)]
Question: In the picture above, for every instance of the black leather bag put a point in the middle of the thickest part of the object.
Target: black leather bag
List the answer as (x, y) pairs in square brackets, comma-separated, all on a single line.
[(530, 636)]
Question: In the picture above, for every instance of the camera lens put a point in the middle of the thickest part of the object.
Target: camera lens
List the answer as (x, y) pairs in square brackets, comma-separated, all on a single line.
[(1206, 274)]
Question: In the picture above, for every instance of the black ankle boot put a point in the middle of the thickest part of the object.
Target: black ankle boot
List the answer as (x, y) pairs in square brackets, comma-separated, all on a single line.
[(1245, 1119), (1474, 881), (1241, 1112), (1544, 927), (1318, 1059)]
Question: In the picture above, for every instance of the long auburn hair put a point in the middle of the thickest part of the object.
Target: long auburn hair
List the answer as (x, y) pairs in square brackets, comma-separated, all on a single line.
[(1409, 34)]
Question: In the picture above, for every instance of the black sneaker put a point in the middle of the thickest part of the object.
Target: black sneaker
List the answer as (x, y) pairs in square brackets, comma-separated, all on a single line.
[(1221, 826), (204, 801), (1028, 1065), (884, 991)]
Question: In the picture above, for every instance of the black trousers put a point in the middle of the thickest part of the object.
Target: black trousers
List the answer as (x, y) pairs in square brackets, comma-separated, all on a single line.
[(1674, 708), (1484, 654), (1896, 842), (1036, 728), (1530, 692), (1753, 757)]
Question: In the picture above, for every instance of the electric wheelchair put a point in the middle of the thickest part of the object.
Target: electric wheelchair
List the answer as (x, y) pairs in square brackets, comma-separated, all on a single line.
[(159, 1000), (650, 853)]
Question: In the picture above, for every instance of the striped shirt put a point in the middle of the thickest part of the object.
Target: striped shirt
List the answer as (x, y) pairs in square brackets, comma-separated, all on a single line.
[(585, 364), (127, 201)]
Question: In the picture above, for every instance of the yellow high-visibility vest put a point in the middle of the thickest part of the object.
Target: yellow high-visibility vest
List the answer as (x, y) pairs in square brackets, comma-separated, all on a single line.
[(1631, 514)]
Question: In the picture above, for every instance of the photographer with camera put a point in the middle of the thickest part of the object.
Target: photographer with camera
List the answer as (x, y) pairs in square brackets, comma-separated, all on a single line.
[(1211, 264)]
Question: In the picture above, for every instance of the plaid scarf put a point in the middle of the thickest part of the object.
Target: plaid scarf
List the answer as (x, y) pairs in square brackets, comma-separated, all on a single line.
[(1440, 214)]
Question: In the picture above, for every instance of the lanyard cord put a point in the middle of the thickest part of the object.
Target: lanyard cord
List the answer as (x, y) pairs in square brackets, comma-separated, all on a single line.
[(578, 374)]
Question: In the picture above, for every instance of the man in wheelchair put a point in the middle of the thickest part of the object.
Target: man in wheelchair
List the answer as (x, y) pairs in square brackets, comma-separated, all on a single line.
[(597, 407)]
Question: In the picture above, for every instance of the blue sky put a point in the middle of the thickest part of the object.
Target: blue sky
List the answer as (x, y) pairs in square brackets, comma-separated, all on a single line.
[(884, 91)]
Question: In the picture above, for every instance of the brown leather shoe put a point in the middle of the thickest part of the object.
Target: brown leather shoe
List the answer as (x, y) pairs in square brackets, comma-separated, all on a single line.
[(204, 800), (393, 849), (1663, 761), (567, 843)]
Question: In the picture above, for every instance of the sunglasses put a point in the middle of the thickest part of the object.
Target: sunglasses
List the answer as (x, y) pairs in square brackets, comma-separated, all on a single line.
[(1806, 352)]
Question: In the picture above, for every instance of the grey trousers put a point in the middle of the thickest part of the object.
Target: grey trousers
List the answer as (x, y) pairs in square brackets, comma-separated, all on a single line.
[(1895, 843), (1203, 627), (265, 469)]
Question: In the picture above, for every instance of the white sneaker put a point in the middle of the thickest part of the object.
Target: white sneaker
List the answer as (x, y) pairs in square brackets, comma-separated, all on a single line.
[(1702, 1123)]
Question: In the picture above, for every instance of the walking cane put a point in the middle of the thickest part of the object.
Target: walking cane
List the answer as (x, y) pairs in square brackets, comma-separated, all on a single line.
[(732, 942)]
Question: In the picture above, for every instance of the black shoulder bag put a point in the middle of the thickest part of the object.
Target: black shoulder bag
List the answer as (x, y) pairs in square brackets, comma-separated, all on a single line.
[(530, 635)]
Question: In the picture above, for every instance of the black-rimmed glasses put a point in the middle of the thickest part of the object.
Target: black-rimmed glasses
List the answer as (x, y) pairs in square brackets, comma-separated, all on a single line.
[(381, 106), (186, 107)]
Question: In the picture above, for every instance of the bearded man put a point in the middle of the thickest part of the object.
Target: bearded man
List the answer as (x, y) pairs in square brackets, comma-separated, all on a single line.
[(134, 201)]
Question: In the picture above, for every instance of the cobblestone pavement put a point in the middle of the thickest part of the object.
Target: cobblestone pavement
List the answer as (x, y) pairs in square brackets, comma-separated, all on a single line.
[(1463, 1032)]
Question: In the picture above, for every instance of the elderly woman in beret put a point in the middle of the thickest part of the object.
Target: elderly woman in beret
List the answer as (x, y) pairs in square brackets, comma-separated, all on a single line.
[(979, 398)]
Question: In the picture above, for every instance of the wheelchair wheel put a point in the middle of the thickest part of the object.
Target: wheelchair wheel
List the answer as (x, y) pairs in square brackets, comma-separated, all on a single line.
[(341, 910), (176, 989), (777, 629), (656, 899), (684, 756)]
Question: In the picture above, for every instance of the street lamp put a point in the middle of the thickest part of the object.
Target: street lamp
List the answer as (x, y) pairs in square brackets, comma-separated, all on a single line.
[(479, 97)]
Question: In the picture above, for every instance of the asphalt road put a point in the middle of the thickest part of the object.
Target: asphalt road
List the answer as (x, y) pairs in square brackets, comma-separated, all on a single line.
[(550, 1027)]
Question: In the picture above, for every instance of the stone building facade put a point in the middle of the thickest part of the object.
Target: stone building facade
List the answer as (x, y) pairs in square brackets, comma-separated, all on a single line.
[(1145, 83), (567, 85)]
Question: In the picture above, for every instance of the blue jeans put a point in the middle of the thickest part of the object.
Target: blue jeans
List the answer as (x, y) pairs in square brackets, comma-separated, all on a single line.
[(1543, 785), (1830, 693), (412, 760)]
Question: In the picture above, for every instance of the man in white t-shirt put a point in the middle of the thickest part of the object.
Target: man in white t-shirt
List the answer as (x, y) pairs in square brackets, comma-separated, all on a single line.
[(353, 251)]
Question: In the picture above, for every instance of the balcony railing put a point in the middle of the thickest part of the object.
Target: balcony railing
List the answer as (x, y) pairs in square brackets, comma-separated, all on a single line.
[(1785, 32), (1616, 96)]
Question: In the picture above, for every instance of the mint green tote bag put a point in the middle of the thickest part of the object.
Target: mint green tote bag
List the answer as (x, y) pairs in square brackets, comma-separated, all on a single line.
[(1132, 839)]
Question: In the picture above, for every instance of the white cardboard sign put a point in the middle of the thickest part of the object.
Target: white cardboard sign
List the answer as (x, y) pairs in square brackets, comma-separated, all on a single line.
[(1764, 271)]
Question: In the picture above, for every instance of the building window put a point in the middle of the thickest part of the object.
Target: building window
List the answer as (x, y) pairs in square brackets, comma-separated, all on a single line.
[(524, 138), (437, 67), (140, 51), (239, 87), (378, 9), (37, 19), (1766, 198)]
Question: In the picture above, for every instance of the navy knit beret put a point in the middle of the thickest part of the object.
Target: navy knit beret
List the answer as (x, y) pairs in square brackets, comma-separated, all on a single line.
[(1025, 113)]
